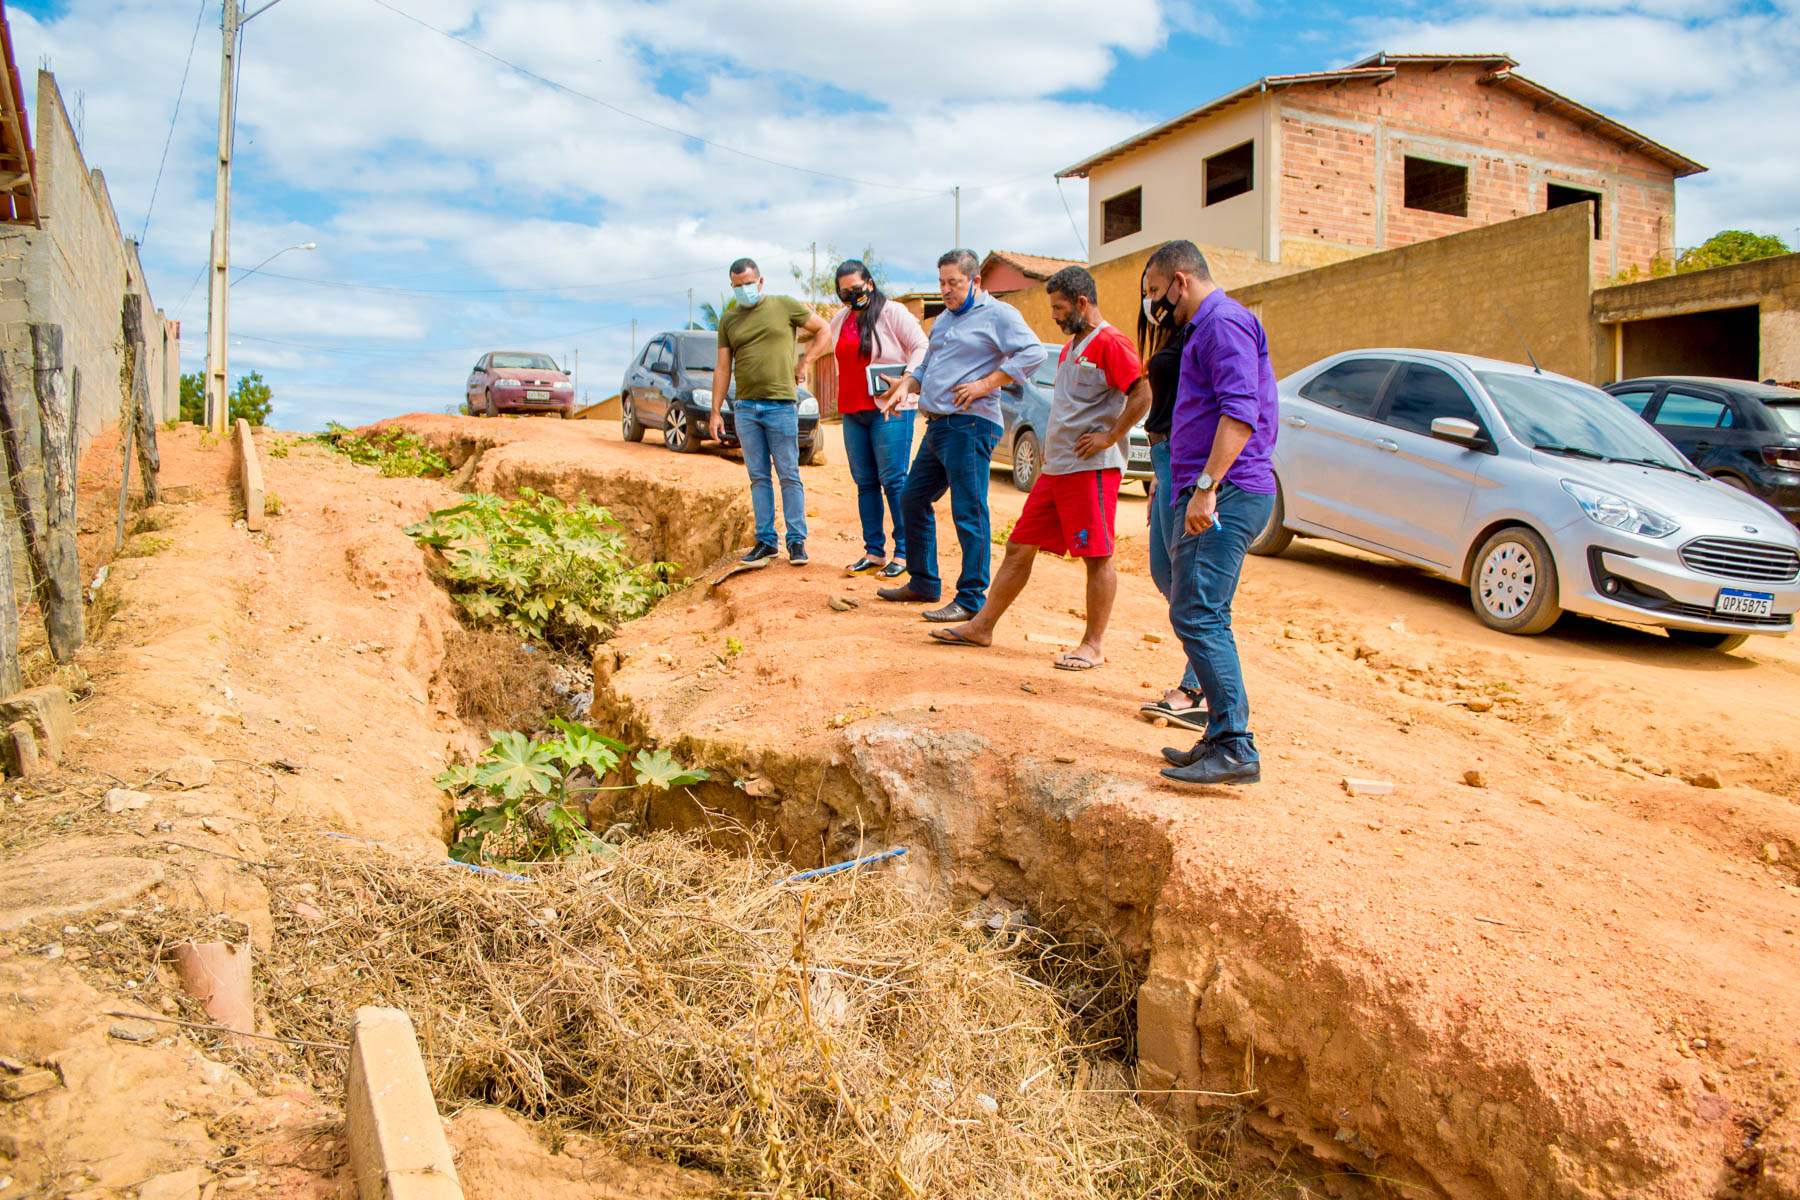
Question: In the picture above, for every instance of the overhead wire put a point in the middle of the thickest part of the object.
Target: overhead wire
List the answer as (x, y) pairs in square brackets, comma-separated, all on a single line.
[(181, 91)]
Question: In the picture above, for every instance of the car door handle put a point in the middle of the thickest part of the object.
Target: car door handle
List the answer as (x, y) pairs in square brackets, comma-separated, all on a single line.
[(1387, 444), (1702, 447), (1297, 422)]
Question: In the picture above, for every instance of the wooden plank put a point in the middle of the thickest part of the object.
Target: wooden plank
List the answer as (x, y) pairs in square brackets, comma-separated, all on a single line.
[(24, 439), (64, 616), (250, 473), (10, 678), (137, 400)]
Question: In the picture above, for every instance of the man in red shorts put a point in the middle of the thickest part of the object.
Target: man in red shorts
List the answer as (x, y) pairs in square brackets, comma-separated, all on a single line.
[(1101, 392)]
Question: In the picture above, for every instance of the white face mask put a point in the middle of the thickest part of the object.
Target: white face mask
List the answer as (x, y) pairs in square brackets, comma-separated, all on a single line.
[(747, 294)]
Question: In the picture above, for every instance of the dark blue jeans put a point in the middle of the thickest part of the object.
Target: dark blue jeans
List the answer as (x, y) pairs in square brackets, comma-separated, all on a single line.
[(878, 447), (953, 458), (1165, 521), (769, 432), (1204, 577)]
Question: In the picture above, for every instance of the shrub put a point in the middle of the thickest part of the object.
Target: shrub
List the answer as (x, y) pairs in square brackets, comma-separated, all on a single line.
[(392, 452), (516, 798), (550, 571)]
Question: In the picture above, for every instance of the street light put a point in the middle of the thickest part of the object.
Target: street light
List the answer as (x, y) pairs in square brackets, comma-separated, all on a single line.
[(265, 262)]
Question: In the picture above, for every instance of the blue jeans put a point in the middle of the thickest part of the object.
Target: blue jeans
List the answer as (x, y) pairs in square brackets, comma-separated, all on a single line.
[(1165, 521), (769, 432), (877, 447), (1204, 571), (953, 458)]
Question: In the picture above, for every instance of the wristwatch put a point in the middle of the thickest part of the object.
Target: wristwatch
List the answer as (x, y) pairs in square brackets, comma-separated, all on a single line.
[(1205, 483)]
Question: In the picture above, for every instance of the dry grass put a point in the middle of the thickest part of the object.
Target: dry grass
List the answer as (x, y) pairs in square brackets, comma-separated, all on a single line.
[(499, 684), (830, 1039)]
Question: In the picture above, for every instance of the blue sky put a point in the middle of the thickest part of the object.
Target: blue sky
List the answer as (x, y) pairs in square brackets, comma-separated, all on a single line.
[(460, 206)]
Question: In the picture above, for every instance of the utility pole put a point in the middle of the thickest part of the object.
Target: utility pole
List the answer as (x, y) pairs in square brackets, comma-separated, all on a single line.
[(690, 323), (812, 281), (633, 353), (956, 193), (217, 294), (575, 375)]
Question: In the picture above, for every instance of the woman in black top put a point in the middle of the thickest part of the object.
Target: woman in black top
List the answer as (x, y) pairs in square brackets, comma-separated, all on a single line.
[(1160, 347)]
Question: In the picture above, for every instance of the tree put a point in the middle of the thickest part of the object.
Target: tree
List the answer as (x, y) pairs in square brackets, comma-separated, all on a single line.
[(193, 398), (711, 313), (1727, 247), (822, 287), (252, 399)]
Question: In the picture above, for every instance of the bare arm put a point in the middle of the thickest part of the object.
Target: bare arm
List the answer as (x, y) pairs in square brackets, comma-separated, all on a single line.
[(721, 384), (815, 349)]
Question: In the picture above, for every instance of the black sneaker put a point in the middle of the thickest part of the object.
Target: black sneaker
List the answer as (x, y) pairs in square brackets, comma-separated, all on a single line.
[(761, 555), (797, 554), (1216, 764)]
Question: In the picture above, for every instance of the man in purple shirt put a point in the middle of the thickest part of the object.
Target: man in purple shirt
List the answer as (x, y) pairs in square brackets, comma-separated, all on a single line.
[(1223, 432)]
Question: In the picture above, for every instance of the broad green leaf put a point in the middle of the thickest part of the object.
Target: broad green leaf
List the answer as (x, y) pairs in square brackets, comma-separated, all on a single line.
[(658, 770), (515, 765), (456, 778), (581, 746)]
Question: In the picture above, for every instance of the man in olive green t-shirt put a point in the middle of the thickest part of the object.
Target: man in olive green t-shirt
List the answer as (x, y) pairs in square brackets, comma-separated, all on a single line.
[(756, 333)]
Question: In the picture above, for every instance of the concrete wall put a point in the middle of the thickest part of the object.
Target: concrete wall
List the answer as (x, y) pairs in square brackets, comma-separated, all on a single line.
[(1637, 316), (1172, 173), (1343, 152), (1451, 293), (74, 272), (1119, 280)]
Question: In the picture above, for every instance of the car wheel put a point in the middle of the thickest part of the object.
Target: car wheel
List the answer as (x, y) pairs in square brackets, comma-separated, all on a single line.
[(1733, 481), (628, 422), (679, 433), (493, 410), (1724, 643), (568, 414), (1513, 586), (811, 453), (1275, 537), (1027, 461)]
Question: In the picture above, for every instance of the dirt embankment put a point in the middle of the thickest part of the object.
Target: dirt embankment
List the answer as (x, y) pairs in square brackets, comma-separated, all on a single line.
[(1557, 961)]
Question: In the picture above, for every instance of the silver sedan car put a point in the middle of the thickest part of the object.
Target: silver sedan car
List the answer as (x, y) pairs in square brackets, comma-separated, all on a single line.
[(1543, 494)]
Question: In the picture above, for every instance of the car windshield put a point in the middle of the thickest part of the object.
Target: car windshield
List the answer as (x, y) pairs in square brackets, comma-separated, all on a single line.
[(1786, 415), (699, 353), (524, 362), (1562, 416)]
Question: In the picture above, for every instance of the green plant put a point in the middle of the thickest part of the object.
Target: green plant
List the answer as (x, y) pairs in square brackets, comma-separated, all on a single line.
[(1000, 531), (271, 505), (392, 452), (193, 398), (555, 572), (279, 448), (208, 439), (733, 647), (251, 400), (515, 800)]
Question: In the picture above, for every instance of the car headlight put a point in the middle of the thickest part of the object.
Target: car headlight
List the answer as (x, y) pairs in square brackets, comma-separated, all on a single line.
[(703, 397), (1616, 512), (809, 407), (507, 383)]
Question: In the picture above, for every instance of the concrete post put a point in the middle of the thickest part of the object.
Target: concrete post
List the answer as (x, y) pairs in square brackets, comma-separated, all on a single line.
[(64, 616)]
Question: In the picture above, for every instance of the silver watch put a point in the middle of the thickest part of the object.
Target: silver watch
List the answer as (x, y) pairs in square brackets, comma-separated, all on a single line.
[(1205, 483)]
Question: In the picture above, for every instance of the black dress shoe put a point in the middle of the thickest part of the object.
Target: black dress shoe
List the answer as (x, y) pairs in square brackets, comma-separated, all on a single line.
[(1185, 758), (1216, 765), (950, 612), (902, 595)]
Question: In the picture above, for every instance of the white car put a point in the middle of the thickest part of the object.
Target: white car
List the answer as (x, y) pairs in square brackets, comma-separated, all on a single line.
[(1543, 494)]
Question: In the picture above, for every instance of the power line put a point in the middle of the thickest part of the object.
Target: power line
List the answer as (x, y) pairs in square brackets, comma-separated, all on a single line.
[(179, 93), (1067, 212), (654, 124)]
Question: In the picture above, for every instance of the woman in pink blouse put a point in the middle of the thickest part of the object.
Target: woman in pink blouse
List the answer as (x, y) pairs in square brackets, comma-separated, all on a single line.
[(872, 332)]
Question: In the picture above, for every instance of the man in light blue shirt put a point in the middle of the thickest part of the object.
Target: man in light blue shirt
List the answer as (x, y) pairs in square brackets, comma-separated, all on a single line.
[(978, 344)]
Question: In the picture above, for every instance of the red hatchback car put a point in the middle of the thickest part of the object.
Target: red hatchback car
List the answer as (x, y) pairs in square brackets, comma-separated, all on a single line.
[(519, 381)]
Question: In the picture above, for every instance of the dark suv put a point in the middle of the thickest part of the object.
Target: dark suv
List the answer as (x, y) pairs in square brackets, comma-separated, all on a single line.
[(1741, 433), (670, 387)]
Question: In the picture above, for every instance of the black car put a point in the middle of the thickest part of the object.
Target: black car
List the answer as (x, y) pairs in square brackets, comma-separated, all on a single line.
[(1741, 433), (670, 387)]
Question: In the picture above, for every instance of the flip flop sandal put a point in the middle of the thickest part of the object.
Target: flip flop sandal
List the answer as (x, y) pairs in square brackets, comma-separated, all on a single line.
[(952, 638), (1075, 662)]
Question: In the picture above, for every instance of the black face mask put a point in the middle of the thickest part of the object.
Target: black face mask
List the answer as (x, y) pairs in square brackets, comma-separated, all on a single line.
[(1161, 310), (857, 299)]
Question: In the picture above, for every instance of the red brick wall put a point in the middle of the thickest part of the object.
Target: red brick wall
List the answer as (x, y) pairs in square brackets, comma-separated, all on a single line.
[(1343, 151)]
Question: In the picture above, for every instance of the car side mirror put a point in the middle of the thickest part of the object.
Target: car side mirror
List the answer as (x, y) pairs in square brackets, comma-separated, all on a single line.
[(659, 369), (1458, 432)]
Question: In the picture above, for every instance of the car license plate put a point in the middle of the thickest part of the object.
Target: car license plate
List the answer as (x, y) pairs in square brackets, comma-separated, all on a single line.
[(1734, 603), (531, 395), (1140, 456)]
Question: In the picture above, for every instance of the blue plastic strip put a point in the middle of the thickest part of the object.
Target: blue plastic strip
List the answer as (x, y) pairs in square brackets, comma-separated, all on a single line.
[(448, 862), (896, 852)]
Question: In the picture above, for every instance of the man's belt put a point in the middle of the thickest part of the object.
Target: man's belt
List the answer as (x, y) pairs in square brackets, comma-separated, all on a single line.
[(1157, 438)]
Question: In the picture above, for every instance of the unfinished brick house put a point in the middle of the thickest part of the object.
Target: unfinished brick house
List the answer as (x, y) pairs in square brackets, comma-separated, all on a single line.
[(1391, 150)]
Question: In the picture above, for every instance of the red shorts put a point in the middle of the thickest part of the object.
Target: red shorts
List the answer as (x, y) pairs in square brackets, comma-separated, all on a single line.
[(1071, 514)]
